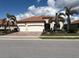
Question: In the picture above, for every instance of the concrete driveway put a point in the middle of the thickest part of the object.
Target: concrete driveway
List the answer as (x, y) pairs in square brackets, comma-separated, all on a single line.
[(25, 34)]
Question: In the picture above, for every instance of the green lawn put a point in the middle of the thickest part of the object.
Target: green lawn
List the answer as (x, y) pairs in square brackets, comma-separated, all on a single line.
[(2, 32), (59, 35)]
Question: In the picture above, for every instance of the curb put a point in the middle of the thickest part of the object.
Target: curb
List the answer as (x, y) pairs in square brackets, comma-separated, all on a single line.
[(61, 37), (55, 38), (39, 36)]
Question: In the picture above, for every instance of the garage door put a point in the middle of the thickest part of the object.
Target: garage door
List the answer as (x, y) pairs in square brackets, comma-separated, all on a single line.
[(35, 28), (22, 28)]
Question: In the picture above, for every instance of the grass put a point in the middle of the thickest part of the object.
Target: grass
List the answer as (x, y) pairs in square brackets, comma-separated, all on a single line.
[(2, 32), (59, 35)]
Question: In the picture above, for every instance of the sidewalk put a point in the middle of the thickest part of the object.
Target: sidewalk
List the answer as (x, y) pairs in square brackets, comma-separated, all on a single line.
[(40, 37), (37, 35), (25, 34)]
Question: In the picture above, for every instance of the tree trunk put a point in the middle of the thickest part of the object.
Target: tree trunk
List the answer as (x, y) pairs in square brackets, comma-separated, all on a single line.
[(68, 23), (5, 29)]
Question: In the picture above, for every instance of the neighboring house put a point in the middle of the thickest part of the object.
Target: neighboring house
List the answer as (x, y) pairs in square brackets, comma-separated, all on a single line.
[(33, 24), (4, 24), (76, 22), (74, 26)]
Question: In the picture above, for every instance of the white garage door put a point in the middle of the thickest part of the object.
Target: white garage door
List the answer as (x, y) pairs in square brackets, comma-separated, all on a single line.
[(22, 28), (31, 27), (35, 27)]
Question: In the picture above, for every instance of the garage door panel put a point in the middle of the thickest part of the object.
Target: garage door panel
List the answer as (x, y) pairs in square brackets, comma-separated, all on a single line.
[(31, 27), (22, 29), (35, 28)]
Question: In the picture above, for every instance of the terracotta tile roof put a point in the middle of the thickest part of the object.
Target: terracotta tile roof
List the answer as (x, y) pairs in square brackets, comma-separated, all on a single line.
[(75, 22), (3, 22), (35, 19)]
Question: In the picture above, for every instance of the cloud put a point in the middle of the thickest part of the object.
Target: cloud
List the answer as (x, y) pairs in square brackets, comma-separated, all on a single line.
[(42, 11), (38, 11), (60, 4), (68, 3), (63, 3), (75, 17), (50, 10), (38, 0), (24, 16), (51, 3)]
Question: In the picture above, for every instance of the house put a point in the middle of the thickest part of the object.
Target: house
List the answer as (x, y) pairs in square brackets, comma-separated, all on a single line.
[(4, 24), (76, 23), (39, 24), (33, 24)]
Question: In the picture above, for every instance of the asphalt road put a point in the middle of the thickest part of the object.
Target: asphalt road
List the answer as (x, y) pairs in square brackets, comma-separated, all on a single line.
[(38, 49)]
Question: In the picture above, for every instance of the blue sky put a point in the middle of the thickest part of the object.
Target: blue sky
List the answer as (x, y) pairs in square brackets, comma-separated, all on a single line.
[(18, 6), (28, 8)]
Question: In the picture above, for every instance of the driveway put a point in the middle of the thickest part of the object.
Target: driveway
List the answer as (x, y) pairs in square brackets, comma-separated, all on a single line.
[(25, 34)]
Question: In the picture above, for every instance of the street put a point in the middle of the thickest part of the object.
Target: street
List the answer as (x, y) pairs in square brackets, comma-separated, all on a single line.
[(38, 49)]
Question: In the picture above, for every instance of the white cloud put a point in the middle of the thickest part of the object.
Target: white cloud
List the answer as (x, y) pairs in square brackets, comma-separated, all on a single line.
[(68, 3), (24, 16), (50, 10), (38, 0), (63, 3), (38, 11), (31, 7), (75, 17), (60, 4), (51, 3)]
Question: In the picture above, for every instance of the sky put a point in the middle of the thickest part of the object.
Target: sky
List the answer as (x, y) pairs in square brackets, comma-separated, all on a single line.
[(18, 6), (27, 8)]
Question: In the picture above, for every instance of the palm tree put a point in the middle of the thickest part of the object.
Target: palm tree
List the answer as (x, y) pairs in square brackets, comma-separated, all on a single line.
[(4, 24), (56, 21), (12, 18), (58, 18), (8, 21), (68, 12), (61, 20)]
